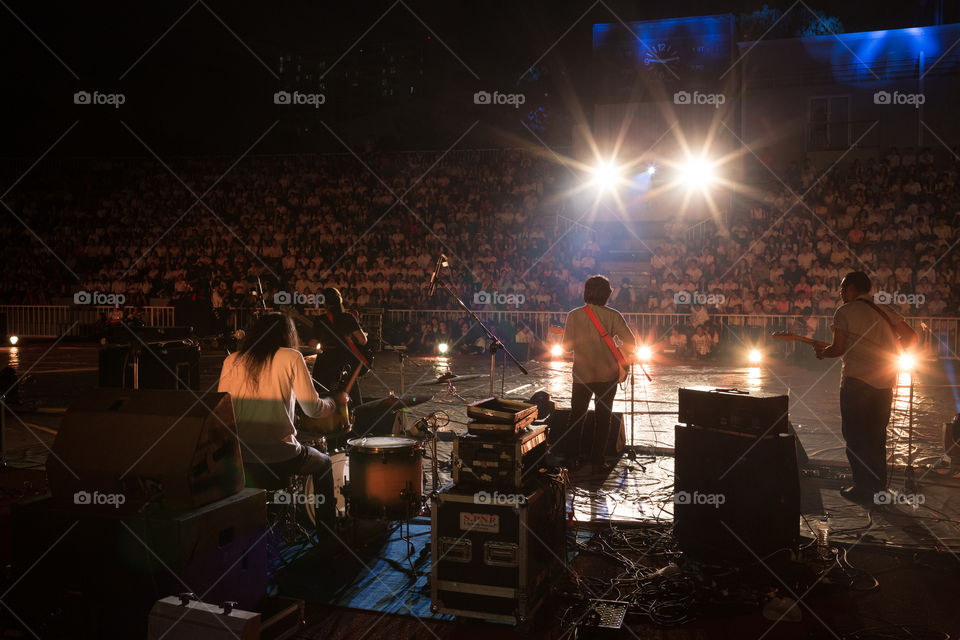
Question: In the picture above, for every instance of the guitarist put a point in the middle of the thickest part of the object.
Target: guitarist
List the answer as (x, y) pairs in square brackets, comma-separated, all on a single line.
[(266, 378), (591, 332), (868, 339), (342, 343)]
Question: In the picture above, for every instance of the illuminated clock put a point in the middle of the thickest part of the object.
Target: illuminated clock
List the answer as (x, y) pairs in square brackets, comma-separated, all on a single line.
[(662, 59)]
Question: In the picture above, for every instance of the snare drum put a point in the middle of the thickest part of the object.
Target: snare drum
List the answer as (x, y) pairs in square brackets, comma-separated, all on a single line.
[(386, 476)]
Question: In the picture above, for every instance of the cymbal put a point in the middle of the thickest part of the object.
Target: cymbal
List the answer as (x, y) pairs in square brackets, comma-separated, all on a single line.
[(390, 403), (452, 379)]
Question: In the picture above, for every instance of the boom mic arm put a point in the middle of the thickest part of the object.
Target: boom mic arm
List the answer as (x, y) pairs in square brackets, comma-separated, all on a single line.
[(441, 262)]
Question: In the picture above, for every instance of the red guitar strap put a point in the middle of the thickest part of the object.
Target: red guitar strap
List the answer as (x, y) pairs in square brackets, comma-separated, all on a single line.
[(354, 348), (606, 337)]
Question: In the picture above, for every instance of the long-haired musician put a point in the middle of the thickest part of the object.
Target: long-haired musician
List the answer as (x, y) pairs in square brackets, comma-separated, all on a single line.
[(266, 378)]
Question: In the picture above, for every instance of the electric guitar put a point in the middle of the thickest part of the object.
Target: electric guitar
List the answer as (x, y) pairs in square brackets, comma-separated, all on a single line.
[(788, 337)]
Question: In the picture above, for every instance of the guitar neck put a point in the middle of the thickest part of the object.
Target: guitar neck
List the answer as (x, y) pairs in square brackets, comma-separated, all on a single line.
[(794, 337)]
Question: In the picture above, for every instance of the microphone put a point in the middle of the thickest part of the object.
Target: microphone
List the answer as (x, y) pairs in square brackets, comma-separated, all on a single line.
[(436, 274)]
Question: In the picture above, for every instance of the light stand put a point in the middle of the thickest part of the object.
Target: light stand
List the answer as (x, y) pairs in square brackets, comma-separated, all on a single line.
[(495, 343), (910, 483), (632, 449)]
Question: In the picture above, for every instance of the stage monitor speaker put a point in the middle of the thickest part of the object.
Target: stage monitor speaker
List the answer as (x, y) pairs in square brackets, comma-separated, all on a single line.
[(569, 445), (98, 572), (163, 365), (165, 448), (735, 496)]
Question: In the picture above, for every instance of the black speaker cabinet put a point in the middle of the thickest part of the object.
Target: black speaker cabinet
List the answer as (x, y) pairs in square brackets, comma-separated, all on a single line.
[(158, 448), (163, 365), (565, 440), (735, 497), (98, 572)]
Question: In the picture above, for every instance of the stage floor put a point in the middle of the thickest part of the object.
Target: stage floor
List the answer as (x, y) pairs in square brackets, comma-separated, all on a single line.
[(635, 493)]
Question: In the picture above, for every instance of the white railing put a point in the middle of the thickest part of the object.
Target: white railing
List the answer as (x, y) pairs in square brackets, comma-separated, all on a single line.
[(938, 336), (53, 321)]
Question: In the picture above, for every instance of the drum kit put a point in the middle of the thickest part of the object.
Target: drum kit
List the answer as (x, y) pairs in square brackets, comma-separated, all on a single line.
[(376, 475)]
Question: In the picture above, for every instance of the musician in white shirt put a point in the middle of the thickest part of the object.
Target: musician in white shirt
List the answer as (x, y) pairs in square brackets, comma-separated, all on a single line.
[(266, 378)]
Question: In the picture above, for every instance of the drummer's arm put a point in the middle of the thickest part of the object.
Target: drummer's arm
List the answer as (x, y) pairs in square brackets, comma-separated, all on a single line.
[(312, 404), (359, 337)]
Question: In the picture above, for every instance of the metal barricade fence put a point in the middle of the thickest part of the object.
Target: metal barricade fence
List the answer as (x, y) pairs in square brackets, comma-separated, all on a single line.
[(938, 336)]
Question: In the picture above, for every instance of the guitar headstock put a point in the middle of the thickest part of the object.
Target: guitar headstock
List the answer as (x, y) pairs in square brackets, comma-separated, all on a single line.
[(782, 335)]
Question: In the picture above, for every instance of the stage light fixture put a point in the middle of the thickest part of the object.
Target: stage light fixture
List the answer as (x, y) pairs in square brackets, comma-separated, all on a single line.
[(755, 356), (907, 361), (644, 353), (14, 340), (697, 173), (606, 175), (556, 351), (443, 347)]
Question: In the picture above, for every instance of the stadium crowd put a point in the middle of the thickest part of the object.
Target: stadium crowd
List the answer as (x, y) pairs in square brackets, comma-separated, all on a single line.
[(374, 226)]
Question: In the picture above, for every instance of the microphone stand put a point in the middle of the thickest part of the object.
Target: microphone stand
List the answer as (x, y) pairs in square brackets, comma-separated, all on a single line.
[(495, 343)]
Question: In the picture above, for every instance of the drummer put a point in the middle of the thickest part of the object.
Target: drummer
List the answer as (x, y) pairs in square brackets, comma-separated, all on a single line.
[(266, 378)]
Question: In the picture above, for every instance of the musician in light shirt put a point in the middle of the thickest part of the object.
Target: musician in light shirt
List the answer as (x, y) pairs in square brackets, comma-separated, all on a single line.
[(266, 378), (868, 338)]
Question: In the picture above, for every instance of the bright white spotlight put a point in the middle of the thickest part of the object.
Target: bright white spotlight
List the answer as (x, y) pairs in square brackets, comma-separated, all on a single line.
[(606, 175), (907, 361), (651, 170), (14, 340), (697, 173), (644, 353), (755, 356), (556, 351), (443, 347)]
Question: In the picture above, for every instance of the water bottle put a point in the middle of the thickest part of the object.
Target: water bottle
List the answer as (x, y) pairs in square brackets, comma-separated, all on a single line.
[(823, 534)]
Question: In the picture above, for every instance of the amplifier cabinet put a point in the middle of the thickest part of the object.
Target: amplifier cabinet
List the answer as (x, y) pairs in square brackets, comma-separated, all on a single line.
[(502, 462), (101, 572), (163, 365), (733, 410), (735, 495), (496, 554), (565, 438)]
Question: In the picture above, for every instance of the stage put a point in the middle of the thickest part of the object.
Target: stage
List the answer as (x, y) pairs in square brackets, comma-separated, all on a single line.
[(364, 583)]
